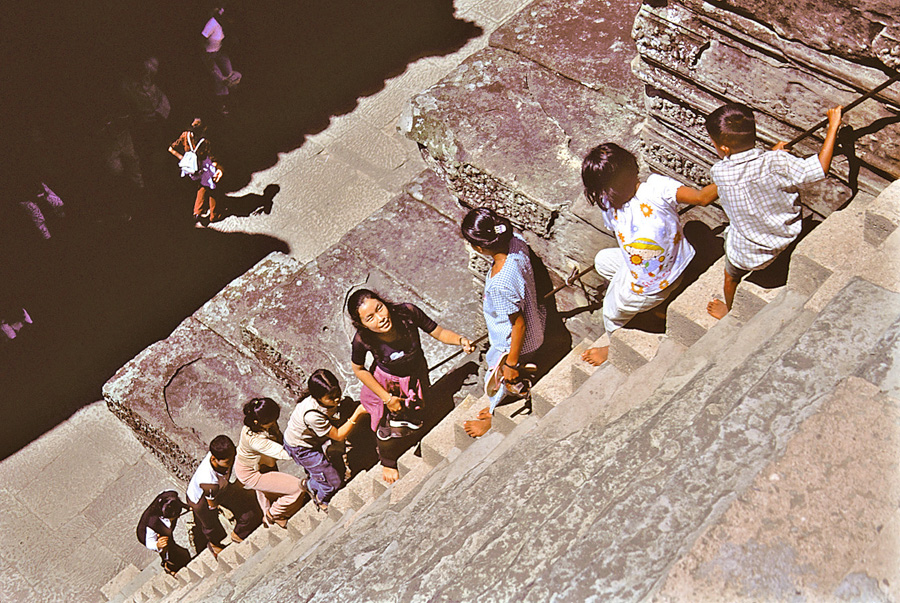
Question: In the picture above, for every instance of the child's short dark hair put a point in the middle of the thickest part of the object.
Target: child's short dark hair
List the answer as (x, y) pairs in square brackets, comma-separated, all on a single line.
[(321, 383), (609, 174), (222, 448), (732, 125)]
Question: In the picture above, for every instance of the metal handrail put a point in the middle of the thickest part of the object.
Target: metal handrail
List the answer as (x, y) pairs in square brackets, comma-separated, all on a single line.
[(571, 280)]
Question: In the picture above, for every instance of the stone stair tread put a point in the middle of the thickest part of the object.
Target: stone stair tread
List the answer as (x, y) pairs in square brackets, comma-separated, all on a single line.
[(444, 436), (883, 217), (119, 581), (632, 348), (561, 381), (140, 579)]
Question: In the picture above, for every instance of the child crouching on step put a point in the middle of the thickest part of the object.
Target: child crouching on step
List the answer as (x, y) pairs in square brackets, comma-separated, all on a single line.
[(652, 252)]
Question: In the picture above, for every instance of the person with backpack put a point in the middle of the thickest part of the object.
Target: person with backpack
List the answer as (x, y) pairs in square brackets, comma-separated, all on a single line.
[(156, 527), (315, 436), (196, 161)]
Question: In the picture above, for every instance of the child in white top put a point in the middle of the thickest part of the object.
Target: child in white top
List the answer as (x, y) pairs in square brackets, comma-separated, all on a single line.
[(652, 252)]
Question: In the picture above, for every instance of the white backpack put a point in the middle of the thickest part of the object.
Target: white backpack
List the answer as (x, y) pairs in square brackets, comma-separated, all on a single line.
[(188, 162)]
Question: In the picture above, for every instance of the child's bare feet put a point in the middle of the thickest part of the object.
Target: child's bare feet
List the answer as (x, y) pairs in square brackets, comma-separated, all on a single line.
[(389, 474), (479, 426), (717, 309), (595, 356)]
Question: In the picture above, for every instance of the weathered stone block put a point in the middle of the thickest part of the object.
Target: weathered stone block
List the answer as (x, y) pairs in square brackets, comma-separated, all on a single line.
[(588, 41), (507, 133), (224, 313), (780, 77), (181, 392), (883, 217)]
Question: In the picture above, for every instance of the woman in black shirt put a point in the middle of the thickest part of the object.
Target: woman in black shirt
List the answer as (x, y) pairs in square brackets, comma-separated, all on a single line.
[(394, 391)]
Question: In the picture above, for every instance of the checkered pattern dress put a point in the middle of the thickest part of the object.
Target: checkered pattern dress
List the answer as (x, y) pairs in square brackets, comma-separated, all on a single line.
[(508, 292)]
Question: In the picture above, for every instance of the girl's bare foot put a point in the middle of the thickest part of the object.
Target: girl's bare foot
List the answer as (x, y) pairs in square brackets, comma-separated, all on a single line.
[(596, 356), (478, 427), (389, 474), (484, 413), (717, 309)]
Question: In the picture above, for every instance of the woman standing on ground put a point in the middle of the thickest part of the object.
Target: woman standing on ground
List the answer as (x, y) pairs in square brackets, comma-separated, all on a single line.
[(196, 161), (395, 391), (280, 495)]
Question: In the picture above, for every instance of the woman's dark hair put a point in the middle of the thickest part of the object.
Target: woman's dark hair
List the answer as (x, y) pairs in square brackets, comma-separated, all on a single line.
[(321, 383), (610, 175), (259, 411), (732, 125), (197, 126), (399, 315), (485, 228), (167, 504)]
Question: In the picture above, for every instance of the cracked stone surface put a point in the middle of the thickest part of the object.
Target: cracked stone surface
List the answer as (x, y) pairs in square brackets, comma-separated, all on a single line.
[(506, 132), (181, 392), (588, 41), (813, 522)]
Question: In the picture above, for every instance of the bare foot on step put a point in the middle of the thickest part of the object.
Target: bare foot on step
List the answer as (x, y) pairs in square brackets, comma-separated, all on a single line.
[(484, 413), (717, 309), (478, 427), (595, 356), (390, 475)]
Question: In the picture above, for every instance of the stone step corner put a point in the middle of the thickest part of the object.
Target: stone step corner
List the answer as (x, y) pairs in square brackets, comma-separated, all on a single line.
[(630, 349), (365, 487), (687, 319), (883, 216), (413, 470), (119, 581), (561, 381)]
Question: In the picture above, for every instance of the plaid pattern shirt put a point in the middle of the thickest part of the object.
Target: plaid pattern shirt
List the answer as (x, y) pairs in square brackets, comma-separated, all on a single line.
[(758, 191), (508, 292)]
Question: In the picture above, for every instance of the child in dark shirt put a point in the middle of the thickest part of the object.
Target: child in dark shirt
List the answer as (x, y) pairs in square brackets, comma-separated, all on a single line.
[(394, 392)]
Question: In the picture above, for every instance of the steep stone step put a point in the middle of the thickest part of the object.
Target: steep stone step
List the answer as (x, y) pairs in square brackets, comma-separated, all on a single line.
[(687, 319), (562, 381), (445, 436), (829, 258), (883, 216), (637, 456), (820, 542)]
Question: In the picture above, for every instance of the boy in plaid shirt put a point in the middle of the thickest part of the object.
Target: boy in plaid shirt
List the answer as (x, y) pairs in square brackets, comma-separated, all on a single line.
[(758, 191)]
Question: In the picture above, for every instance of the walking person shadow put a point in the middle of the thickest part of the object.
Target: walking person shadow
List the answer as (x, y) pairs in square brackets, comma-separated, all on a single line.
[(250, 204)]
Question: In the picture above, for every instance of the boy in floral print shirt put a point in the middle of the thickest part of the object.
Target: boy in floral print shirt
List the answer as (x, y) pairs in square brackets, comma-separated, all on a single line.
[(652, 252)]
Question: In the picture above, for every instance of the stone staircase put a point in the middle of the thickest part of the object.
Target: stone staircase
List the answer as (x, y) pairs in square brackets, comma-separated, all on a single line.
[(615, 485)]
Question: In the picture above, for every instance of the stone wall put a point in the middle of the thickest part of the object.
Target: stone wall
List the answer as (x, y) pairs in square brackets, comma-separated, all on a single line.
[(509, 127), (789, 61)]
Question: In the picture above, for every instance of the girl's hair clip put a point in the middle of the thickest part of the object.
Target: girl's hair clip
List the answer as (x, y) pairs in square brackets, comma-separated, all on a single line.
[(500, 228)]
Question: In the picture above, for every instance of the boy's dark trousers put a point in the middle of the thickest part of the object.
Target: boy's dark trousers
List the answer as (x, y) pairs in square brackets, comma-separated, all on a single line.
[(242, 504)]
